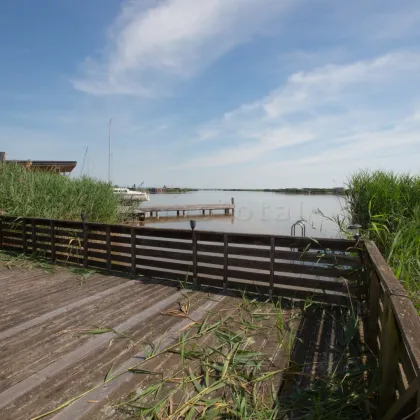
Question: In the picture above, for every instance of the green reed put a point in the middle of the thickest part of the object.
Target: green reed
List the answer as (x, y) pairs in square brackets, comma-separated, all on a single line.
[(31, 193)]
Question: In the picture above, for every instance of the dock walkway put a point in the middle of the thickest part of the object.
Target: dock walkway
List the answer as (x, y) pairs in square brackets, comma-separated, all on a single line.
[(184, 208)]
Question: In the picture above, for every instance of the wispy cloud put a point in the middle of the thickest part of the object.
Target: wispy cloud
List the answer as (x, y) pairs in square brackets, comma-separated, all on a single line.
[(150, 44), (341, 108)]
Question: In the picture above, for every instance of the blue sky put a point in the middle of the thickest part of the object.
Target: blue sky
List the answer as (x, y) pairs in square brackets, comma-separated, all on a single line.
[(213, 93)]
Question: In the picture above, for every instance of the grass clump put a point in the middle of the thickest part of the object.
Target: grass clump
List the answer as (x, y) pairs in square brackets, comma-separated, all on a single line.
[(31, 193), (387, 206)]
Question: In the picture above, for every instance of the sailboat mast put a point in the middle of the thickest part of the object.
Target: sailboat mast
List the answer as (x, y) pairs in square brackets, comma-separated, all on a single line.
[(109, 151)]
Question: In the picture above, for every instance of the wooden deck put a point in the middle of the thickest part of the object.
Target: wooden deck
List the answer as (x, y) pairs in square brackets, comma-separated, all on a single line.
[(46, 360), (184, 208)]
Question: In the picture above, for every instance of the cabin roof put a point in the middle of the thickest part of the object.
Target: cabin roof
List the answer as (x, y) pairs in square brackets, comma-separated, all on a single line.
[(62, 165)]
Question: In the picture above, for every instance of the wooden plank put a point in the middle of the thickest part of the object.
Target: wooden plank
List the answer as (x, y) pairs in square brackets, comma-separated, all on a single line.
[(12, 234), (187, 207), (390, 344), (181, 234), (213, 271), (210, 248), (249, 239), (98, 255), (155, 243), (117, 239), (172, 255), (309, 256), (210, 237), (1, 231), (306, 282), (163, 264), (264, 290), (116, 249), (405, 314), (167, 275), (316, 243), (407, 364), (94, 236), (14, 242), (396, 410), (249, 252), (315, 270), (126, 259), (249, 275)]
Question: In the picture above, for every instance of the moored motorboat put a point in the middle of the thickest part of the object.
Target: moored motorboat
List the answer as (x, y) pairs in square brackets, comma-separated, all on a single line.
[(129, 195)]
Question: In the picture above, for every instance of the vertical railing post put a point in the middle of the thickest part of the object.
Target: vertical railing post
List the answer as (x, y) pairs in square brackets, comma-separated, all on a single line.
[(25, 243), (34, 248), (388, 357), (225, 261), (272, 263), (133, 252), (373, 329), (85, 245), (194, 258), (53, 249), (108, 248)]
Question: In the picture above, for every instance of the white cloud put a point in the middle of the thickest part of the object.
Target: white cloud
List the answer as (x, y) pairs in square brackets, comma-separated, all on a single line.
[(263, 143), (175, 38), (346, 109)]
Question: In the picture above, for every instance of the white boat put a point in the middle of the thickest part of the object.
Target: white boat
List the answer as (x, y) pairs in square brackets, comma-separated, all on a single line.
[(129, 195)]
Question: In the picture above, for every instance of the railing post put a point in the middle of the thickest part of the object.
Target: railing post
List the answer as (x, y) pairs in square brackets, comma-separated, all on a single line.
[(108, 248), (133, 252), (388, 358), (85, 245), (374, 293), (194, 258), (272, 262), (25, 243), (53, 250), (225, 261), (34, 249)]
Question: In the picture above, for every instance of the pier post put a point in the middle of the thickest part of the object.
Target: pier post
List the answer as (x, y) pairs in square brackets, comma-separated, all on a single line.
[(232, 200), (177, 213), (204, 212)]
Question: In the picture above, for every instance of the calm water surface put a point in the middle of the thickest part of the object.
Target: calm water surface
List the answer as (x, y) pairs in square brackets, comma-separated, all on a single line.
[(255, 212)]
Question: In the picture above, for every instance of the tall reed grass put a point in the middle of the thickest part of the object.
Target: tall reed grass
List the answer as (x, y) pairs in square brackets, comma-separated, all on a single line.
[(387, 206), (31, 193)]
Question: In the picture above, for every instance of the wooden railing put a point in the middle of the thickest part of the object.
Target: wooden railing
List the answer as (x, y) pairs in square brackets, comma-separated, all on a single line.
[(325, 270), (393, 332)]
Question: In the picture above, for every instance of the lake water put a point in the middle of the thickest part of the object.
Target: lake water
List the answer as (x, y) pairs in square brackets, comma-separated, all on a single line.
[(255, 212)]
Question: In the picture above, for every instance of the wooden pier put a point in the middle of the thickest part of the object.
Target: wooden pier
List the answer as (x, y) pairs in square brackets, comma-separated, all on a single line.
[(182, 209)]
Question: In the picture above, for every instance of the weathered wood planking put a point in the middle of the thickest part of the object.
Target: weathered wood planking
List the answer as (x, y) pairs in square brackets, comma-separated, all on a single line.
[(233, 257), (395, 320)]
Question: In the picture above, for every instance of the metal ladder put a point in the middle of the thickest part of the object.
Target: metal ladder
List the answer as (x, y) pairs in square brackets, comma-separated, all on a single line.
[(302, 225)]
